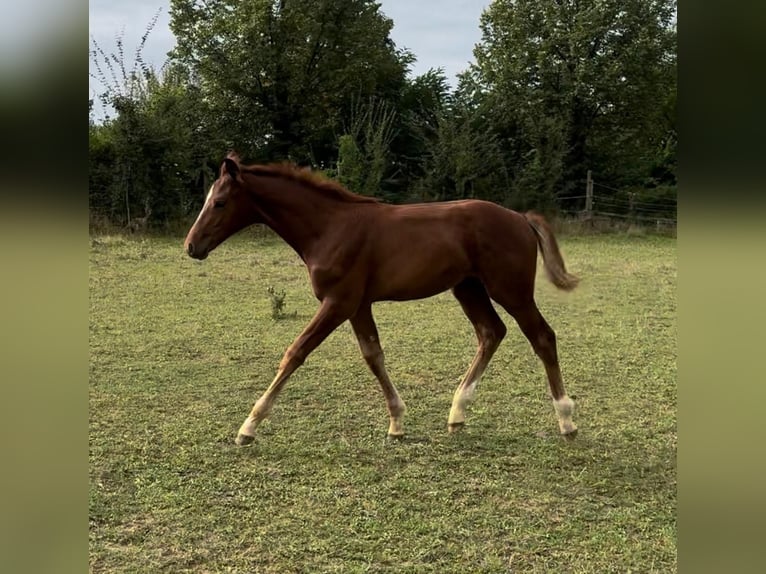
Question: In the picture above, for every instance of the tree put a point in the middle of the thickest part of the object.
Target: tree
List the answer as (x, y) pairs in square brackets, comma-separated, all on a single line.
[(420, 108), (574, 85), (151, 159), (462, 159), (364, 151), (281, 75)]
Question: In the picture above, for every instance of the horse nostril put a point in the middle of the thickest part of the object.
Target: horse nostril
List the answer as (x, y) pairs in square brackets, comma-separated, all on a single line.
[(190, 249)]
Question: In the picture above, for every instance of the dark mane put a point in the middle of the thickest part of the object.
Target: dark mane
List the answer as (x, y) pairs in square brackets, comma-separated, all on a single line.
[(306, 176)]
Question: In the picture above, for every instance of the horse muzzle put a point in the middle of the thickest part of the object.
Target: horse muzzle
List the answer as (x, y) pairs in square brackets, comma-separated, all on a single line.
[(195, 252)]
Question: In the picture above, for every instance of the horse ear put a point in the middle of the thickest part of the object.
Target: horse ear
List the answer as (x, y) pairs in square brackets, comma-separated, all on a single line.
[(231, 167)]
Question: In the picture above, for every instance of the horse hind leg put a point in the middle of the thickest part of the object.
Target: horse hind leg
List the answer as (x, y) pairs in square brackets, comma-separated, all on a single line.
[(490, 331), (543, 341)]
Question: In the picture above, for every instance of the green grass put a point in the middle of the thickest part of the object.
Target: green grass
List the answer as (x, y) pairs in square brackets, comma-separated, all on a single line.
[(180, 350)]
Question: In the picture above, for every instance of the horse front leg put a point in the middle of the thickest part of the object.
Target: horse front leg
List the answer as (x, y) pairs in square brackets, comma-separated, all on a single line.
[(369, 343), (327, 319)]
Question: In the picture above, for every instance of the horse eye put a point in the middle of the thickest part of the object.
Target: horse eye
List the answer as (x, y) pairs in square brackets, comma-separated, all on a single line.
[(219, 203)]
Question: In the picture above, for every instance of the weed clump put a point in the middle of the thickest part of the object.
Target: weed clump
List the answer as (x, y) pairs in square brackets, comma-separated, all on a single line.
[(277, 298)]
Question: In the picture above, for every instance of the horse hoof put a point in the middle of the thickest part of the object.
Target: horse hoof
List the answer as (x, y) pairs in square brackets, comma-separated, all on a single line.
[(395, 437), (570, 435), (244, 440), (455, 427)]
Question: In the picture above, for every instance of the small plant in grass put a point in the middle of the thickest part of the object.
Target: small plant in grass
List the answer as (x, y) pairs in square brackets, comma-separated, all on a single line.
[(278, 303)]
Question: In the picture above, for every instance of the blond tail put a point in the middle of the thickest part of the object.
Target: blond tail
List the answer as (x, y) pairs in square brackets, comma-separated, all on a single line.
[(554, 263)]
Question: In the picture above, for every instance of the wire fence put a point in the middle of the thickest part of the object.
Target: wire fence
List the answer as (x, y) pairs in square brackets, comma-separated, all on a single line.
[(602, 202)]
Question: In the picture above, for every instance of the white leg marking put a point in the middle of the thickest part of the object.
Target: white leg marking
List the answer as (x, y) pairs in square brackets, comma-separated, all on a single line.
[(248, 427), (564, 408), (463, 396), (259, 412), (396, 424)]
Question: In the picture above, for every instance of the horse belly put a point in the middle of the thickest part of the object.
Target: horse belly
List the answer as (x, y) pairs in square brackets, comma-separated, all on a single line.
[(417, 274)]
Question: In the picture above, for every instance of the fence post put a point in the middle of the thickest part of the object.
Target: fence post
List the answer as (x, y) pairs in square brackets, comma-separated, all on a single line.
[(589, 196)]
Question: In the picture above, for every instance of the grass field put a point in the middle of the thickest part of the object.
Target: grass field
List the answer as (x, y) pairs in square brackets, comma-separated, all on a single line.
[(180, 349)]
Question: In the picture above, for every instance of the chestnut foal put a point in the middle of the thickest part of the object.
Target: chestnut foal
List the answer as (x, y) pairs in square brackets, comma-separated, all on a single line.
[(359, 251)]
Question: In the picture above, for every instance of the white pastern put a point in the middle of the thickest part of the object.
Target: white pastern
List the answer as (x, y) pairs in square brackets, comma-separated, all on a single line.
[(564, 408), (463, 396), (248, 427), (396, 426)]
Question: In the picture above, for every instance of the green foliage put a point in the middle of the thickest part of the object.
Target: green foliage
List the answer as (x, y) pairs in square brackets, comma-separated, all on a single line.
[(151, 158), (364, 152), (573, 86), (351, 163), (281, 76), (558, 87), (421, 103), (462, 161), (277, 298)]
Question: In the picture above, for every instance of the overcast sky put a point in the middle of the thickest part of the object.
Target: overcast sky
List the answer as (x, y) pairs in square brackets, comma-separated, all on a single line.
[(441, 33)]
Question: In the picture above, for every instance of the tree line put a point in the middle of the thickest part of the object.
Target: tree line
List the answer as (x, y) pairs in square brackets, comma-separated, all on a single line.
[(557, 87)]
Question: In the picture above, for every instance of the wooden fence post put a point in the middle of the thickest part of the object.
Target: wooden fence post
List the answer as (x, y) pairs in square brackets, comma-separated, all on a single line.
[(589, 196)]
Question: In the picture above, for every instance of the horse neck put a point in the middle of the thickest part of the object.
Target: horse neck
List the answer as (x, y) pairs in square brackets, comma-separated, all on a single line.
[(298, 213)]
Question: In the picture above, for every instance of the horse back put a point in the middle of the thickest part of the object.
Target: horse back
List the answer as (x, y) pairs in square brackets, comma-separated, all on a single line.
[(416, 251)]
